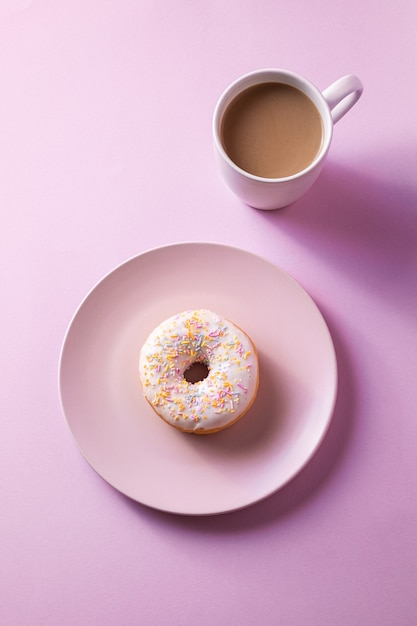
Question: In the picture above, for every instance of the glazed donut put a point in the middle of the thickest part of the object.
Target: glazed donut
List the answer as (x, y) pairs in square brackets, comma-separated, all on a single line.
[(199, 371)]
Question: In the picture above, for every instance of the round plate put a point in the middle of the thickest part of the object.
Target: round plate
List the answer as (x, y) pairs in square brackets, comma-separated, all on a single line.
[(130, 446)]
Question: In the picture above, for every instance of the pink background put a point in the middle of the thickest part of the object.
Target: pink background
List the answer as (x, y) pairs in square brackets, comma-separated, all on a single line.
[(106, 151)]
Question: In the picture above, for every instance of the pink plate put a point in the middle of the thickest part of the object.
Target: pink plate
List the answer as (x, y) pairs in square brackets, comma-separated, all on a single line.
[(134, 450)]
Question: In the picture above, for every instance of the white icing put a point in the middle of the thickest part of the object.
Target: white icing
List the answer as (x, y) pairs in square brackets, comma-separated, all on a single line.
[(218, 399)]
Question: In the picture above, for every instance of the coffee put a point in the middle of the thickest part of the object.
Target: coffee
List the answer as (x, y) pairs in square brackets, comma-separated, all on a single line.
[(272, 130)]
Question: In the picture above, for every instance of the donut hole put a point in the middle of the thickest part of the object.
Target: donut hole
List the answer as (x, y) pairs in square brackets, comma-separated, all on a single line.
[(197, 372)]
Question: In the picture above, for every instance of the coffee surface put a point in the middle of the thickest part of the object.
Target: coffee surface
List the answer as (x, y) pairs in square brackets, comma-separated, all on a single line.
[(272, 130)]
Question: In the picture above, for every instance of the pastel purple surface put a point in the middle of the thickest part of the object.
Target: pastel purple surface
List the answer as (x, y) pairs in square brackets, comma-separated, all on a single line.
[(107, 152)]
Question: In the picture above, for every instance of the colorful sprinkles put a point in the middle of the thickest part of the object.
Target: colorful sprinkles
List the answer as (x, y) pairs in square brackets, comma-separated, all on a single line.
[(178, 343)]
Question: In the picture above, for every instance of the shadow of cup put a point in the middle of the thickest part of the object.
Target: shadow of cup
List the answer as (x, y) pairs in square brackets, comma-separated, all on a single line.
[(361, 227)]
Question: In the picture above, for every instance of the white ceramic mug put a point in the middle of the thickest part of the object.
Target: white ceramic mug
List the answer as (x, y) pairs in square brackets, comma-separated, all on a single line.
[(275, 193)]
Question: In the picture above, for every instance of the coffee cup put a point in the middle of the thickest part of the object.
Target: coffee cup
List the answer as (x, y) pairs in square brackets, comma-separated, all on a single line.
[(272, 131)]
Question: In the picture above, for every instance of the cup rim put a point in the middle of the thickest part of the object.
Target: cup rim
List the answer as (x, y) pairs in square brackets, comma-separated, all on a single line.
[(271, 75)]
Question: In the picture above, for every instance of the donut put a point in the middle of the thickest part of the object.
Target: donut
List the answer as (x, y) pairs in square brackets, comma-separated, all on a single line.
[(199, 371)]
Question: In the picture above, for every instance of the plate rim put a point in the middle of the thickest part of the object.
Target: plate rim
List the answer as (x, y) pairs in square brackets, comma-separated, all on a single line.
[(234, 249)]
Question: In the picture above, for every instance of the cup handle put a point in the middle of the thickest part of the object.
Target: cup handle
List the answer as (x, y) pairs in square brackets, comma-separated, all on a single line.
[(342, 95)]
